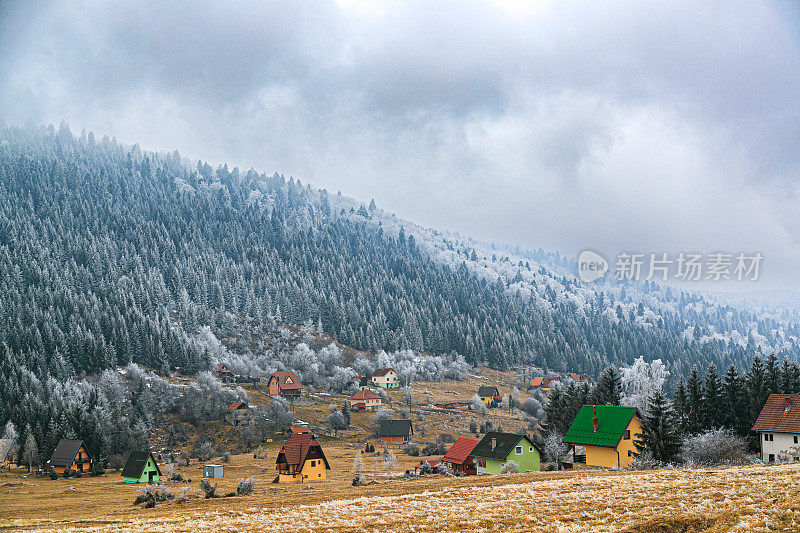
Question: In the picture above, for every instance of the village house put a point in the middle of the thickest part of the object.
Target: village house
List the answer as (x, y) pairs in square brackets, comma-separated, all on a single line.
[(386, 378), (6, 453), (365, 400), (543, 382), (493, 452), (284, 383), (224, 374), (237, 414), (361, 380), (607, 433), (70, 455), (299, 429), (778, 428), (490, 396), (397, 431), (301, 460), (141, 467), (459, 457)]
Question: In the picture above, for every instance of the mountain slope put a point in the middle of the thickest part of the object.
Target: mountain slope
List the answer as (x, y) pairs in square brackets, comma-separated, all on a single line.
[(111, 255)]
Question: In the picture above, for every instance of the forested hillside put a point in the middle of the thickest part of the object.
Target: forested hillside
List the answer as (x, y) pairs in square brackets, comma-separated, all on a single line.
[(111, 255)]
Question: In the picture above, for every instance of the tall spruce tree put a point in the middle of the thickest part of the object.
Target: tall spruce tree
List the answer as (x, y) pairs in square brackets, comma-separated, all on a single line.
[(608, 390), (773, 375), (694, 395), (660, 434), (712, 397), (734, 403), (757, 390)]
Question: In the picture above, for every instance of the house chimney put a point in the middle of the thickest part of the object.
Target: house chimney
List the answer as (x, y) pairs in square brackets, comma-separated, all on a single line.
[(594, 418), (494, 444)]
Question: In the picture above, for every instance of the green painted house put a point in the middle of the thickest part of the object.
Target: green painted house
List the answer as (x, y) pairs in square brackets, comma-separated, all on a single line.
[(496, 449), (141, 467)]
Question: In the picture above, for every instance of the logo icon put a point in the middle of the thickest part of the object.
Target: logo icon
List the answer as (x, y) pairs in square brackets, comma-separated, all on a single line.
[(591, 266)]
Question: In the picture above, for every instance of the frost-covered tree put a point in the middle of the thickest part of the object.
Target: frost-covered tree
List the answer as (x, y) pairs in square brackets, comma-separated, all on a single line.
[(641, 380)]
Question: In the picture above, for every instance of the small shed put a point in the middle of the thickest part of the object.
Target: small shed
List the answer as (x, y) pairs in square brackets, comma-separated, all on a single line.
[(213, 471)]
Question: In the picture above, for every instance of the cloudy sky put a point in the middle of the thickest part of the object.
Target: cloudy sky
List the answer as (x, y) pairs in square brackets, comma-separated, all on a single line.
[(641, 126)]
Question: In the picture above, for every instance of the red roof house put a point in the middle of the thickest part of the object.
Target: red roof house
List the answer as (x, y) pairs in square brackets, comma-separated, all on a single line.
[(284, 383), (301, 460), (237, 413), (365, 400), (458, 456), (778, 426)]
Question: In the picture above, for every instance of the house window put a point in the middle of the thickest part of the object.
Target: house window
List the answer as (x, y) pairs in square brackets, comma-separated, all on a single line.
[(530, 449), (795, 439), (518, 450), (313, 463), (626, 434), (630, 453), (772, 458)]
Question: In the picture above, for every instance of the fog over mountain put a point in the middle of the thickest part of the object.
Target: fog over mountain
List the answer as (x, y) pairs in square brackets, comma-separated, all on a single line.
[(622, 126)]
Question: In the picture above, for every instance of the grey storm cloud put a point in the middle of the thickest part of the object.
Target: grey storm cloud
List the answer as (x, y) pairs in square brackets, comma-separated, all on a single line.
[(649, 126)]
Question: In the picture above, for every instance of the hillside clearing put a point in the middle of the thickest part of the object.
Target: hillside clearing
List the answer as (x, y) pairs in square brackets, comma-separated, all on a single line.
[(759, 498)]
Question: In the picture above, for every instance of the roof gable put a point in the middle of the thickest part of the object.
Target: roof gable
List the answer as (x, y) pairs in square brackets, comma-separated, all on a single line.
[(504, 445), (781, 413), (65, 452), (488, 391), (382, 372), (611, 423), (286, 380), (396, 428), (296, 449), (365, 394), (236, 405), (137, 460), (460, 450)]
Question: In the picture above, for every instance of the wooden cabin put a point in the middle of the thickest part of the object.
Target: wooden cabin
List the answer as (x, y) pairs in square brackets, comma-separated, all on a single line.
[(459, 457), (396, 431), (224, 374), (284, 383), (141, 467), (237, 414), (70, 455), (301, 460), (606, 432)]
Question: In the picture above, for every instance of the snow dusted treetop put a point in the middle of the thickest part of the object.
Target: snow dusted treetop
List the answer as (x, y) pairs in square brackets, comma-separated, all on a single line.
[(641, 380)]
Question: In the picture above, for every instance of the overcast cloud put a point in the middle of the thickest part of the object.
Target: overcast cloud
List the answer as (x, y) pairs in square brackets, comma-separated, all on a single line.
[(641, 126)]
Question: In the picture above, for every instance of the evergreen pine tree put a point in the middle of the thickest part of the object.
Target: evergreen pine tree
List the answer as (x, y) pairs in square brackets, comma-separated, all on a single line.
[(712, 395), (694, 396), (608, 390), (660, 433)]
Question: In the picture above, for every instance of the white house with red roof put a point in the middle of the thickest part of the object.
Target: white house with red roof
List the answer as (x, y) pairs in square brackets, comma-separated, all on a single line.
[(778, 426), (365, 400)]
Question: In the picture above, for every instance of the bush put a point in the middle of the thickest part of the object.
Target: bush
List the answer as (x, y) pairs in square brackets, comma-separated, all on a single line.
[(226, 457), (53, 475), (358, 480), (411, 449), (434, 448), (150, 495), (245, 487), (715, 447), (445, 438), (509, 468), (98, 470), (208, 489)]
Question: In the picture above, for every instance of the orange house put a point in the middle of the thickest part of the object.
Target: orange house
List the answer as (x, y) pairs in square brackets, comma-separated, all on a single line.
[(70, 455), (301, 460), (365, 400), (284, 383)]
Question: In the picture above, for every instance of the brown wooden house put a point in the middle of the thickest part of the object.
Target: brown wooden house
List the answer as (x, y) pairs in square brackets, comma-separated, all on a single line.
[(284, 383), (224, 374), (458, 456), (397, 431), (70, 455), (238, 414), (301, 460)]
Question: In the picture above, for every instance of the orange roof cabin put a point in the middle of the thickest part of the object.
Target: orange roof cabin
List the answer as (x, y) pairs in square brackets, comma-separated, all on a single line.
[(70, 455), (300, 429), (543, 382), (223, 373), (301, 460), (284, 383), (778, 427), (458, 456), (237, 414), (365, 400)]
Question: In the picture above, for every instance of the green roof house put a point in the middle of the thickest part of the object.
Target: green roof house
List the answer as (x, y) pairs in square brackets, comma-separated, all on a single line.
[(141, 467), (607, 433), (496, 449)]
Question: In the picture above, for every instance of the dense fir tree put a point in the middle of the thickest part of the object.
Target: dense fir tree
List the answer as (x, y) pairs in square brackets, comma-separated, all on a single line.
[(660, 432), (694, 402), (712, 399), (608, 390)]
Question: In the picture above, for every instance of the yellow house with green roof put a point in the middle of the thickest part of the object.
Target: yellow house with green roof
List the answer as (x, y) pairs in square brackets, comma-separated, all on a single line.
[(607, 433)]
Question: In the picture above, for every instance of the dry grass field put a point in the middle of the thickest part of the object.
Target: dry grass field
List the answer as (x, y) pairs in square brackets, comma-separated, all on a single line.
[(757, 498)]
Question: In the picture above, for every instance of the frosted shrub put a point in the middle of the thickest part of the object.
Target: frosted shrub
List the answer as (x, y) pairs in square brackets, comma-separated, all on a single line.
[(150, 495), (209, 490), (245, 487), (478, 405), (715, 447), (509, 468)]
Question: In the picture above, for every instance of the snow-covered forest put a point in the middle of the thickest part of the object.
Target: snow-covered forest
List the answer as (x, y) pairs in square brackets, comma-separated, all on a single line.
[(112, 255)]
